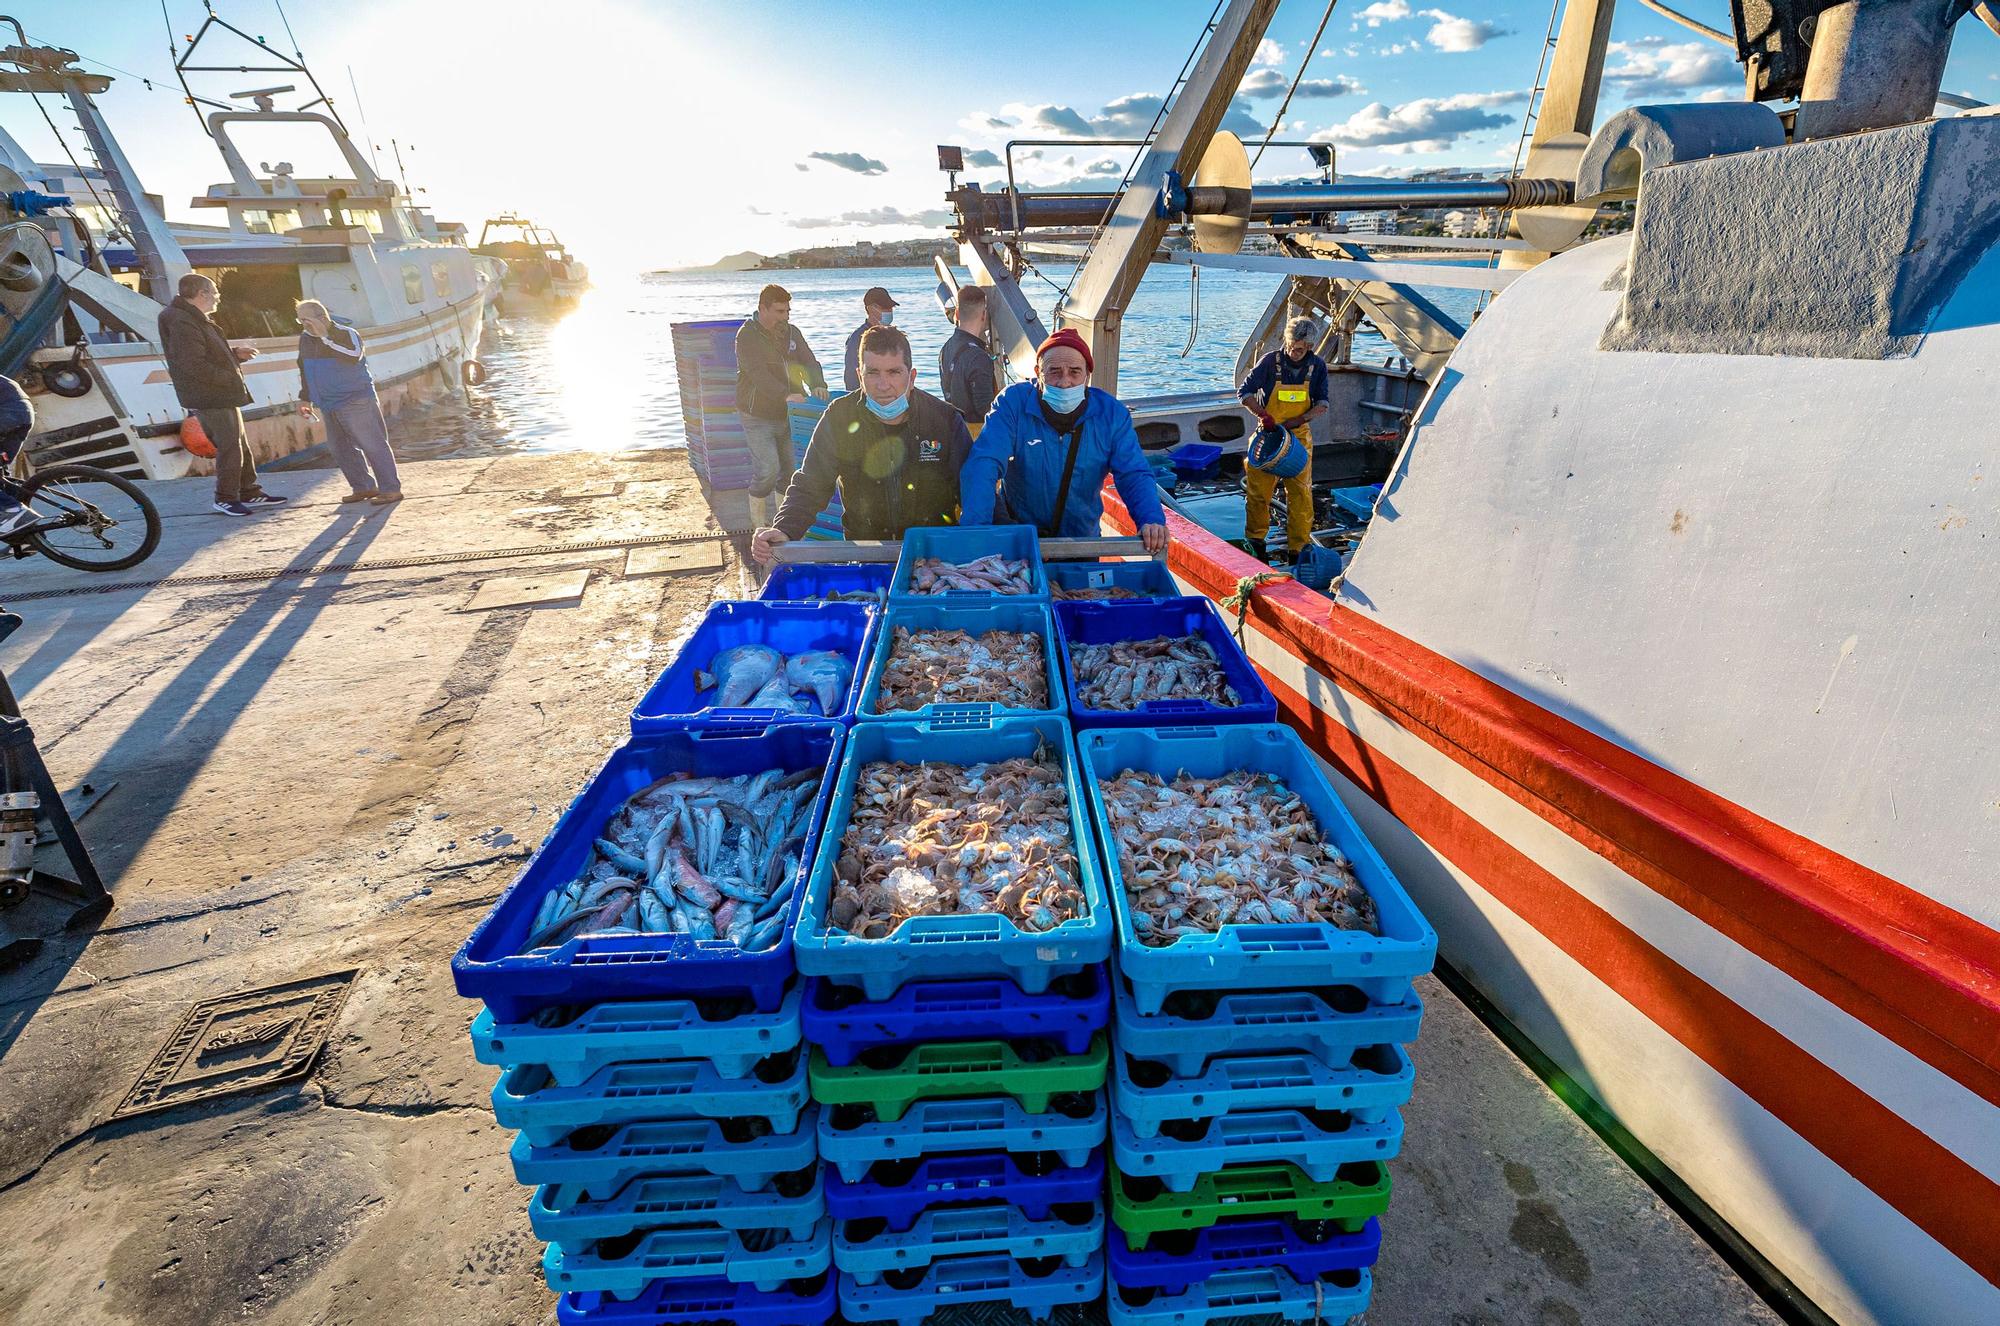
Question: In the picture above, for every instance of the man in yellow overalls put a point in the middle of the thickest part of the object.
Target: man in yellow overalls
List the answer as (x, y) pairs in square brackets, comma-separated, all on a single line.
[(1287, 390)]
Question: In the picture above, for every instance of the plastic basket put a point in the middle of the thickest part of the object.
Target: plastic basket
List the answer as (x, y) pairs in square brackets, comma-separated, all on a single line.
[(865, 1251), (938, 947), (765, 1259), (1358, 502), (957, 1281), (1105, 623), (598, 1165), (940, 1127), (1142, 1207), (529, 1099), (1332, 1024), (810, 1302), (1261, 1294), (1258, 956), (975, 618), (1318, 1142), (1174, 1262), (896, 1078), (585, 970), (969, 543), (819, 581), (846, 629), (640, 1030), (1147, 579), (842, 1024), (563, 1213), (1196, 460), (896, 1192), (1370, 1086)]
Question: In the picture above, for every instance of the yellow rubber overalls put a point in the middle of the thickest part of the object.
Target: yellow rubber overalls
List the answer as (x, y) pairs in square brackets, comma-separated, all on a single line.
[(1287, 402)]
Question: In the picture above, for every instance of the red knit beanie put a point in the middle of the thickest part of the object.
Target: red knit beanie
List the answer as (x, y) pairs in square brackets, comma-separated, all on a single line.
[(1067, 337)]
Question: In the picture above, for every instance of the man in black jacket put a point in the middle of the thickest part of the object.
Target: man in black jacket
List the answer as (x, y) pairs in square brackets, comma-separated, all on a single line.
[(774, 365), (894, 451), (208, 378), (965, 366)]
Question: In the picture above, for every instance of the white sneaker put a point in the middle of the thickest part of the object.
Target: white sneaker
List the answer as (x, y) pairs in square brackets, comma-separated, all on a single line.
[(18, 519)]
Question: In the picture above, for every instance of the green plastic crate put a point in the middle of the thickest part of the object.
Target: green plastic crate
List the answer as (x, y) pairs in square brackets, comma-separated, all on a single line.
[(1358, 1191), (951, 1069)]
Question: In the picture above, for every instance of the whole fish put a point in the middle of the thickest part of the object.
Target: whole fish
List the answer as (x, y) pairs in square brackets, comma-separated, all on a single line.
[(777, 694), (740, 672), (822, 674), (991, 574), (1125, 674)]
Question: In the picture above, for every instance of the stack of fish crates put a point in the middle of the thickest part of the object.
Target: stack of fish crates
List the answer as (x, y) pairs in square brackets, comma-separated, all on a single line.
[(804, 416), (709, 345)]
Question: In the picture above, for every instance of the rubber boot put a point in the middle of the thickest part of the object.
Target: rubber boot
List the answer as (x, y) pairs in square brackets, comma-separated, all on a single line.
[(1256, 548)]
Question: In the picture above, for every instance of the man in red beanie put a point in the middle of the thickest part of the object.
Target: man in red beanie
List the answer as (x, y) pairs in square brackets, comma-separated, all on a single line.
[(1047, 447)]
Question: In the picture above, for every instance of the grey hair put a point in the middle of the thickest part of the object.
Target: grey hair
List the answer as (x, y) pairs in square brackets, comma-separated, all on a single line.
[(312, 306), (1302, 331)]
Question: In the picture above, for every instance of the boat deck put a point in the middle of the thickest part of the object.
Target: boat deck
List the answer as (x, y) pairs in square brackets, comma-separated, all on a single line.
[(323, 762)]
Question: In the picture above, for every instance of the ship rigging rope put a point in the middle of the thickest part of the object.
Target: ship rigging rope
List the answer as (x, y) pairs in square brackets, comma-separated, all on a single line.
[(1305, 62)]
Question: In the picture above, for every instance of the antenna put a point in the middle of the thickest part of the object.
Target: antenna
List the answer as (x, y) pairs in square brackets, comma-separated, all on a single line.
[(184, 64), (400, 173), (362, 111)]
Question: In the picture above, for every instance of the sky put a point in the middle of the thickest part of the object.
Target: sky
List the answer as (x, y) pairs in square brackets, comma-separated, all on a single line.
[(652, 133)]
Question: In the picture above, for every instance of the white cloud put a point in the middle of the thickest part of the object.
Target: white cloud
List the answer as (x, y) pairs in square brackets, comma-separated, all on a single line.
[(980, 122), (1401, 48), (1268, 53), (1129, 116), (980, 158), (876, 217), (1264, 83), (1455, 34), (1655, 67), (1384, 11), (1428, 124)]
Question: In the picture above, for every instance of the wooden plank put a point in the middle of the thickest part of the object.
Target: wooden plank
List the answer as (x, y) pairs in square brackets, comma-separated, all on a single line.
[(674, 559), (528, 591)]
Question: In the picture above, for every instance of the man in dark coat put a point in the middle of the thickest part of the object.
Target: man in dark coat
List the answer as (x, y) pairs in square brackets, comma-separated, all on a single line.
[(207, 374)]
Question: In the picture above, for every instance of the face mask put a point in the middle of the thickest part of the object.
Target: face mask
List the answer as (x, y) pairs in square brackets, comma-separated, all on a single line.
[(1063, 399), (887, 413), (888, 317)]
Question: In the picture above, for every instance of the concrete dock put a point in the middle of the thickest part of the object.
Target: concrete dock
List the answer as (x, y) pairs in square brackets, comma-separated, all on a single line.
[(326, 758)]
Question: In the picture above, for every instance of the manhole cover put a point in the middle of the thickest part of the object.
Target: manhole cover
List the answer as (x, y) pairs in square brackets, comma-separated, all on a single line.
[(241, 1042)]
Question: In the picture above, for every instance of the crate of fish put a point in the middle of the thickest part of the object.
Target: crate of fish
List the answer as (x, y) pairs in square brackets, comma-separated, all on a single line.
[(890, 1079), (867, 1249), (574, 1043), (865, 583), (1319, 1142), (809, 1302), (1263, 1293), (954, 849), (1369, 1087), (598, 1161), (956, 659), (896, 1192), (1037, 1287), (841, 1023), (757, 662), (676, 870), (1280, 890), (545, 1111), (1332, 1023), (1173, 1262), (977, 562), (564, 1213), (851, 1138), (1143, 1209), (1155, 663), (623, 1267), (1141, 578)]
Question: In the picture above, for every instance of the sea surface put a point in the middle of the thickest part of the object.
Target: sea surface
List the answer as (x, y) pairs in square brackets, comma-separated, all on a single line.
[(602, 377)]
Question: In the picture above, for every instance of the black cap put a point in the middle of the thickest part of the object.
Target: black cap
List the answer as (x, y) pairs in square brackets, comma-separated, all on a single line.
[(877, 297)]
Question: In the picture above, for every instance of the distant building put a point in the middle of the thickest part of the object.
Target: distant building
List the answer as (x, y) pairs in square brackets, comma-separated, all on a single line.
[(1368, 223), (1461, 225)]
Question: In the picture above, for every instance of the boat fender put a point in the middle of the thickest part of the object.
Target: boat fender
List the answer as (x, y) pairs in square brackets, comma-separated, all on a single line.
[(194, 439), (472, 373)]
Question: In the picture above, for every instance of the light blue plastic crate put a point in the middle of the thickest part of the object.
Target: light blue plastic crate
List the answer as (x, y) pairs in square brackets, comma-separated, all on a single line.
[(940, 1127), (974, 618), (1370, 1086), (1262, 1293), (1257, 957), (639, 1030), (763, 1258), (1251, 1138), (598, 1163), (951, 947), (563, 1213), (966, 1231), (969, 543), (1146, 579), (545, 1111), (960, 1281), (1330, 1023)]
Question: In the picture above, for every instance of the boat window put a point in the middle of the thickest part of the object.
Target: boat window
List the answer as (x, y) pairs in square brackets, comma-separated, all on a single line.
[(270, 221), (413, 285), (441, 278), (364, 216)]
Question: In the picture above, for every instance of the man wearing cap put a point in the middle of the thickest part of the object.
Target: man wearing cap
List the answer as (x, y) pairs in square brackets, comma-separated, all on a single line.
[(1285, 393), (1048, 445), (881, 311)]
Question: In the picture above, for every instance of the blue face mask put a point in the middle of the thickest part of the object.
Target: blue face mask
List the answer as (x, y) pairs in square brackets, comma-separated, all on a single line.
[(1063, 399), (890, 412), (888, 317)]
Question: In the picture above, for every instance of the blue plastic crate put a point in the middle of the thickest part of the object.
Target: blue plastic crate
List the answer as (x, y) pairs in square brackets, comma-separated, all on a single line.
[(563, 1213), (598, 1162), (1104, 623), (1319, 1143), (1377, 1080), (811, 1302), (586, 970), (952, 947), (897, 1191), (1259, 957), (1196, 460), (865, 1252), (1358, 502), (815, 581), (641, 1030), (1334, 1024), (843, 1025), (846, 629), (1261, 1293), (957, 1281), (1174, 1262), (969, 543), (623, 1268), (975, 618), (1146, 579), (530, 1100), (940, 1127)]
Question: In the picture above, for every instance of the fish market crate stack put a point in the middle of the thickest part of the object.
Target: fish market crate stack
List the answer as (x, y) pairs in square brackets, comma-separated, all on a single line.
[(803, 417), (1262, 998), (705, 367)]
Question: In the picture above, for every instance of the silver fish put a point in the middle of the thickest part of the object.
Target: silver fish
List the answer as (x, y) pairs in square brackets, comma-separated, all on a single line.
[(740, 672), (821, 673)]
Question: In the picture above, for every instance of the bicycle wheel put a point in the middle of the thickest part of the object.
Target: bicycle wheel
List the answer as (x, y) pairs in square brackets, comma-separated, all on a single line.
[(92, 519)]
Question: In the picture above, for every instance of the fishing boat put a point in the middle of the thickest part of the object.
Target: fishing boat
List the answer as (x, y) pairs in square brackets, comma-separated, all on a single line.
[(1659, 688), (354, 240), (541, 276)]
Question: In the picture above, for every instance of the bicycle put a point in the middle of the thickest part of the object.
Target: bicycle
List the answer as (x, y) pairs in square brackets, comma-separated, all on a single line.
[(91, 519)]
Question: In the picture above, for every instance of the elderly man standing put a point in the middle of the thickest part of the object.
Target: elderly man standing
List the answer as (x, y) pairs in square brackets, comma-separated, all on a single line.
[(1285, 392), (1050, 443), (207, 374), (774, 366)]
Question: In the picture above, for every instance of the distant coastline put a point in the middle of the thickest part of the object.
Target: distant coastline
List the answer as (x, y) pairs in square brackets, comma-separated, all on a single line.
[(893, 253)]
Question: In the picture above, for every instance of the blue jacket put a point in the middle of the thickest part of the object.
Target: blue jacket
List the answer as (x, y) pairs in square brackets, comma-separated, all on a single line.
[(1020, 444), (334, 372)]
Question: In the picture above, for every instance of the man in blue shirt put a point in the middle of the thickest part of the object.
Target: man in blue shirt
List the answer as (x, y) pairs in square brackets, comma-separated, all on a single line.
[(1049, 445), (965, 365), (881, 312), (1285, 392)]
